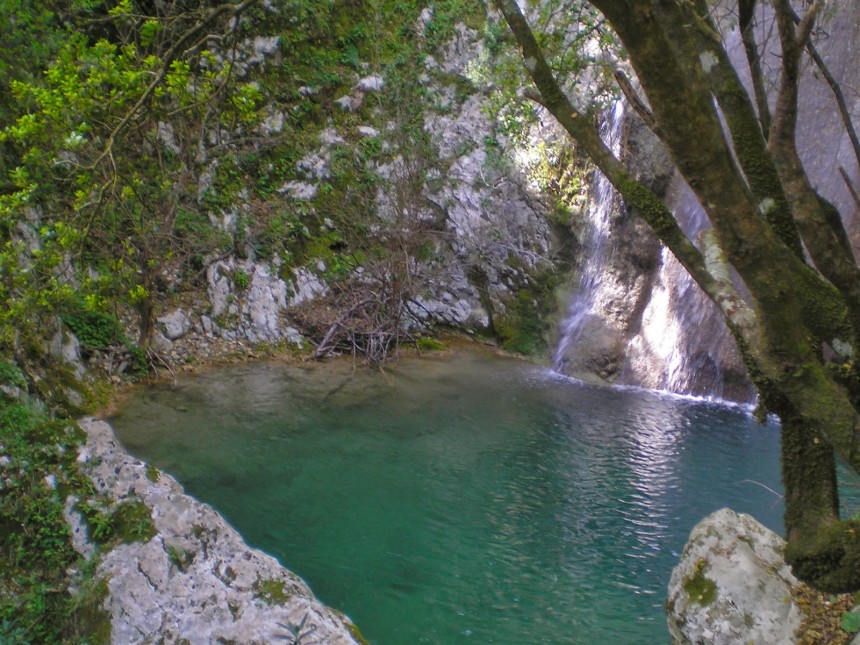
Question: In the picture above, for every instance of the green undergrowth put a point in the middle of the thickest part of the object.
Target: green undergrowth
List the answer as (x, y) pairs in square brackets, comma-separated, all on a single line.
[(48, 592), (525, 326)]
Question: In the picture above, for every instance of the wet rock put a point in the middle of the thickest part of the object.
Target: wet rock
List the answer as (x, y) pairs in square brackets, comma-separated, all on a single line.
[(732, 585)]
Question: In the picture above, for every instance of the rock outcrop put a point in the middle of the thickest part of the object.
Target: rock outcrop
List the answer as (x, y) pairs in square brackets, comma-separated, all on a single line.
[(195, 580), (732, 585)]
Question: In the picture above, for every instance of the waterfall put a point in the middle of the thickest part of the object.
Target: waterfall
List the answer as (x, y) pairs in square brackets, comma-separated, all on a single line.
[(682, 344), (588, 304), (637, 317)]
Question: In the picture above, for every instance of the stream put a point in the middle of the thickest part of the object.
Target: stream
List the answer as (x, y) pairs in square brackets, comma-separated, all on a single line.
[(462, 497)]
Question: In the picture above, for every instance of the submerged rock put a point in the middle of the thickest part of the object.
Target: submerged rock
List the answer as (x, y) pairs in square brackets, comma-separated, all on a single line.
[(195, 580), (732, 585)]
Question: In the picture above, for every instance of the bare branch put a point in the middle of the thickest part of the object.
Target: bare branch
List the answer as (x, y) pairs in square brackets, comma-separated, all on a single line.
[(850, 185), (838, 95), (634, 100), (746, 15)]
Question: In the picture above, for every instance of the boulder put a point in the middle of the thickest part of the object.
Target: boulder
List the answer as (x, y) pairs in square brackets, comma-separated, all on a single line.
[(732, 585), (175, 324)]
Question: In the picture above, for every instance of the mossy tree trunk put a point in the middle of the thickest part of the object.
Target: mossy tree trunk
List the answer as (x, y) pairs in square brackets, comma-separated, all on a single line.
[(760, 204)]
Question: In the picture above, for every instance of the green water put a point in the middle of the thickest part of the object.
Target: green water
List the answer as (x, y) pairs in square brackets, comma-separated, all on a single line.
[(465, 498)]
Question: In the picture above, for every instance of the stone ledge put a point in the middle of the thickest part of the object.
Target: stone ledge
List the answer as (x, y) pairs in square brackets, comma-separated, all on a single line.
[(196, 581)]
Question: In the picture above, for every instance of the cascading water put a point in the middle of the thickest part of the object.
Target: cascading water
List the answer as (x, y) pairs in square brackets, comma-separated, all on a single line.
[(596, 290), (642, 321), (682, 344), (637, 317)]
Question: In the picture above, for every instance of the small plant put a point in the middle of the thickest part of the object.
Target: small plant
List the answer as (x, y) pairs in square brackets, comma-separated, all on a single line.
[(426, 344), (11, 374), (272, 591), (850, 622), (95, 329), (241, 279), (12, 634), (296, 633), (180, 558)]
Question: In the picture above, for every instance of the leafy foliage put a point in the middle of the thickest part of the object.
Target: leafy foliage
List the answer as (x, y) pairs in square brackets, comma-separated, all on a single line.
[(34, 538)]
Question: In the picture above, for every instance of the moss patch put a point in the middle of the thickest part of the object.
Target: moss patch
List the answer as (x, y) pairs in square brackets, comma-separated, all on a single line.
[(356, 634), (133, 522), (89, 613), (272, 591), (524, 328), (426, 344), (829, 561), (699, 588), (152, 473)]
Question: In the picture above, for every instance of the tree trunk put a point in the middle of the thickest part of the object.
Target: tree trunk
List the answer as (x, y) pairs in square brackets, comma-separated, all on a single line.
[(792, 308)]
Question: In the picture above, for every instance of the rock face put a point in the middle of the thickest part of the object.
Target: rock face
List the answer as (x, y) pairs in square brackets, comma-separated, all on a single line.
[(732, 585), (195, 581)]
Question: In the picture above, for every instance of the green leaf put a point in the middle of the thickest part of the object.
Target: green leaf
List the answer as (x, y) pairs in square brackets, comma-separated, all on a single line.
[(850, 621)]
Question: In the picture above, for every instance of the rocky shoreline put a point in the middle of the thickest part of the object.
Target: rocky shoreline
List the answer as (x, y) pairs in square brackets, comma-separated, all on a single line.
[(195, 580)]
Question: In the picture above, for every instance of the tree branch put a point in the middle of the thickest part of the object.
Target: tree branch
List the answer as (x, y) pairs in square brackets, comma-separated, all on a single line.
[(637, 196), (838, 95), (169, 57), (635, 101), (746, 9)]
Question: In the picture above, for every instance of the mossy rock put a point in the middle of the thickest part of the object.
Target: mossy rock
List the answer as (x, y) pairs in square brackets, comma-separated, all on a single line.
[(699, 588), (272, 591)]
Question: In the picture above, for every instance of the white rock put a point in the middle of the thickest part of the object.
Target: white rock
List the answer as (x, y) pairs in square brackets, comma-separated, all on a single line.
[(160, 343), (372, 83), (367, 131), (306, 286), (732, 585), (196, 580), (299, 190), (330, 137), (264, 302), (67, 348), (78, 525), (167, 137), (175, 324), (344, 103), (316, 165), (266, 45), (273, 123), (218, 282)]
